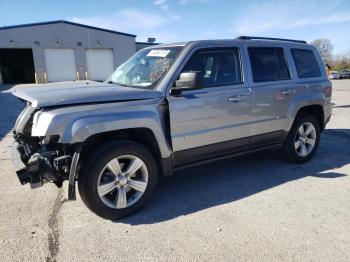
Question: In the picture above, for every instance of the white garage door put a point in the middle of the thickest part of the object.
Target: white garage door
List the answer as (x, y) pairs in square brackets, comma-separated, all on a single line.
[(100, 63), (60, 64)]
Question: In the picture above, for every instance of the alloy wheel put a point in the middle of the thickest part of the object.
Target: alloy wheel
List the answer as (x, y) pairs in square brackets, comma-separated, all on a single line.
[(122, 181), (305, 139)]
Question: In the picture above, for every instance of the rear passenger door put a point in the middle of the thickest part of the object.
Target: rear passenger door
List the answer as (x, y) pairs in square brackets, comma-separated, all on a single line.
[(272, 90)]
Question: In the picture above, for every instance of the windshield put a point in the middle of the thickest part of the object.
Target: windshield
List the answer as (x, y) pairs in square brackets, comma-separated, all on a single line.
[(145, 68)]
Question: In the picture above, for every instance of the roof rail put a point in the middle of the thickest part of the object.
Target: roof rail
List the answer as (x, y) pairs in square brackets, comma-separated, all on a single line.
[(243, 37)]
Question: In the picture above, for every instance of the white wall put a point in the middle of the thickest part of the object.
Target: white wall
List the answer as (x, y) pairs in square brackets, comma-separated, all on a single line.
[(62, 35)]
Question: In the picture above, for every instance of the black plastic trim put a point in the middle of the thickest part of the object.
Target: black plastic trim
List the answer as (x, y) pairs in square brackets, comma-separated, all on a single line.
[(243, 37), (188, 156), (73, 172), (239, 153)]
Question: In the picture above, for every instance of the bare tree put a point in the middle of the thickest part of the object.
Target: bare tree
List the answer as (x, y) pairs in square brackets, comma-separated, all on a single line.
[(341, 61), (325, 47)]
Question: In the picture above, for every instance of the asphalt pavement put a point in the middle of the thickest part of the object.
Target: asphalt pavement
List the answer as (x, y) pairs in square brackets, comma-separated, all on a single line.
[(251, 208)]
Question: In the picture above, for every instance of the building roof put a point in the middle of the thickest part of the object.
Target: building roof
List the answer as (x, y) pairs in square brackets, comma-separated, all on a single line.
[(66, 22), (147, 43)]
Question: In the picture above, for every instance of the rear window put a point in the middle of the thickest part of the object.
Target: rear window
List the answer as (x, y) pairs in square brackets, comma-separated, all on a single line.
[(306, 63), (268, 64)]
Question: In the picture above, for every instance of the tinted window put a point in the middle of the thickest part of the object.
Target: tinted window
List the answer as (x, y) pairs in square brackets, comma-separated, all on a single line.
[(218, 66), (268, 64), (306, 63)]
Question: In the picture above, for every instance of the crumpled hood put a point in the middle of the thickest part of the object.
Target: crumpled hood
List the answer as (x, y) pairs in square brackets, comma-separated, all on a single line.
[(78, 92)]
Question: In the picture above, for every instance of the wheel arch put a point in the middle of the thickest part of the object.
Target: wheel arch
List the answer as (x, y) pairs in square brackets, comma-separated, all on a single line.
[(315, 110), (143, 136)]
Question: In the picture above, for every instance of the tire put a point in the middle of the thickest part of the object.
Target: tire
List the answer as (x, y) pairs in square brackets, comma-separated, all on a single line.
[(108, 184), (298, 148)]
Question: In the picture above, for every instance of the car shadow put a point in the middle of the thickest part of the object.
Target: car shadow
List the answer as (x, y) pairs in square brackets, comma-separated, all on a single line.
[(223, 182)]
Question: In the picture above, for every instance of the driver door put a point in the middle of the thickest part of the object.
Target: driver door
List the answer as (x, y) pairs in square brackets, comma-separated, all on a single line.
[(214, 120)]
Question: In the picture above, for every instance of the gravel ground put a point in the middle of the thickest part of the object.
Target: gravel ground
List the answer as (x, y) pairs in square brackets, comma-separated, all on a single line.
[(230, 210)]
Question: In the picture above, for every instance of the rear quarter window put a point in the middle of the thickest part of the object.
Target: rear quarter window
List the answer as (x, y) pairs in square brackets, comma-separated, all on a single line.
[(306, 63)]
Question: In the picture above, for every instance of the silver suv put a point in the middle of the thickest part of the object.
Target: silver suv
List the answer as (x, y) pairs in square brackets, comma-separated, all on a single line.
[(167, 108)]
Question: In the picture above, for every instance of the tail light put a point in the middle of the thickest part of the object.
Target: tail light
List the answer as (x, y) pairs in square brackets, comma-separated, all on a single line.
[(328, 91)]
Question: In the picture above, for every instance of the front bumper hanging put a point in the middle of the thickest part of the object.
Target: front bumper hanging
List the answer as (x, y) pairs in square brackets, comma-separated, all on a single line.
[(41, 168), (34, 171)]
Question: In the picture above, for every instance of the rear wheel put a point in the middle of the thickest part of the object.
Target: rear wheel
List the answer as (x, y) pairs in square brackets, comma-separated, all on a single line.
[(303, 139), (118, 179)]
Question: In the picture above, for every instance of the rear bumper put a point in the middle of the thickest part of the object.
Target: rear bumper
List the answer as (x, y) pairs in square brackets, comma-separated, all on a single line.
[(327, 120), (327, 113)]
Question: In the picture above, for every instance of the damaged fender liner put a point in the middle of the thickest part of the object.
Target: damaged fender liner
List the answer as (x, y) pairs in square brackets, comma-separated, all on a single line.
[(72, 172)]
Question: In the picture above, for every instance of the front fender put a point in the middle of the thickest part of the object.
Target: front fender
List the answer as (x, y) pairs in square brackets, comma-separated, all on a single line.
[(77, 124), (82, 129)]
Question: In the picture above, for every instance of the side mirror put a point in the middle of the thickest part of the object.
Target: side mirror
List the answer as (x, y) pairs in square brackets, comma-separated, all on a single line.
[(188, 81)]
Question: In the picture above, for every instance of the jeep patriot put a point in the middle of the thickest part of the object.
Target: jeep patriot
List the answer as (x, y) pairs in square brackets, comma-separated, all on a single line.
[(166, 108)]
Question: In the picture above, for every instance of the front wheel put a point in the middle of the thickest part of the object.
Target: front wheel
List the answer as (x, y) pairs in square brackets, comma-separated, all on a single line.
[(303, 139), (118, 179)]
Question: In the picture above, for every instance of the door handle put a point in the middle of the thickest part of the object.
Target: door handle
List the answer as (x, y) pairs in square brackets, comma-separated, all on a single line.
[(288, 92), (285, 92), (235, 99)]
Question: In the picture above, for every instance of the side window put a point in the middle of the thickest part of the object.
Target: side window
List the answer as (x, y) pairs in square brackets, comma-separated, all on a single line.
[(306, 63), (268, 64), (219, 67)]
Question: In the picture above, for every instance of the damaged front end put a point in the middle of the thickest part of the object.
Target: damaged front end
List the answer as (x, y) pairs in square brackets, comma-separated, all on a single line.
[(41, 159)]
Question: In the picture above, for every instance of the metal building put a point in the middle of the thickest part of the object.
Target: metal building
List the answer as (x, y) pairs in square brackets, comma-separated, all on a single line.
[(61, 51), (150, 42)]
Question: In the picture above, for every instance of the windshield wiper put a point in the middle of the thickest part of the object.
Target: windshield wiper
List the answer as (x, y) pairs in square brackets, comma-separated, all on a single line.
[(111, 82), (132, 86)]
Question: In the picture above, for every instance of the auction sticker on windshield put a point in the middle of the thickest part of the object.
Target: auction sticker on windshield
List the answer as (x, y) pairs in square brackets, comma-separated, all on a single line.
[(158, 52)]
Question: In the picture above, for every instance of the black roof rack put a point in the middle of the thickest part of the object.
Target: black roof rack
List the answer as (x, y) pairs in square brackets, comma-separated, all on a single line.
[(243, 37)]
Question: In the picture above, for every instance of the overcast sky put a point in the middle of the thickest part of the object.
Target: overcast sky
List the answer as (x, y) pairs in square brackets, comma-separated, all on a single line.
[(178, 20)]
